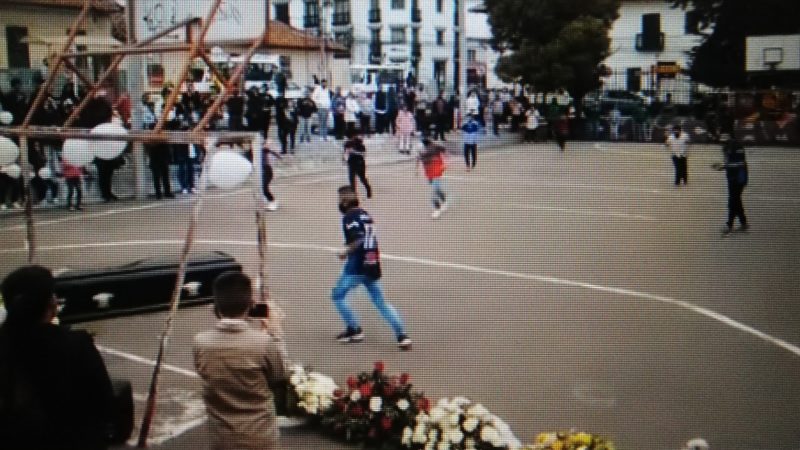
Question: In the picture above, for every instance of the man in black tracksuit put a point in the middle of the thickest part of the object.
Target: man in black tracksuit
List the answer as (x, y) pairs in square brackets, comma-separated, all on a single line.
[(354, 151)]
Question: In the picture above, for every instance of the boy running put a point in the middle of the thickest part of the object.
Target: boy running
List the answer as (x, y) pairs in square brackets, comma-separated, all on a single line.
[(433, 161), (354, 152)]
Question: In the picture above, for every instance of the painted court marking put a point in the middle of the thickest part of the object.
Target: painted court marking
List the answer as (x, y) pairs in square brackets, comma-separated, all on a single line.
[(721, 318)]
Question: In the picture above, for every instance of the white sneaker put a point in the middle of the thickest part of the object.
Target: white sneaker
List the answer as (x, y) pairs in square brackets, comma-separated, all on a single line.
[(18, 205), (272, 206), (184, 191), (444, 206), (3, 206), (436, 213)]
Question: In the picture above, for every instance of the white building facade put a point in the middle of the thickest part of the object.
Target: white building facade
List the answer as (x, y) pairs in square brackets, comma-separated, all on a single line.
[(650, 44), (422, 35)]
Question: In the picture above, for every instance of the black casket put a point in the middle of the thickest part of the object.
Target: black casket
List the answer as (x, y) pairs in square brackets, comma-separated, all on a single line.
[(141, 286)]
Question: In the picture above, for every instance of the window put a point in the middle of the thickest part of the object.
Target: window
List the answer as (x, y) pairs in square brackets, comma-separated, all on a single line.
[(282, 13), (692, 25), (311, 17), (398, 4), (472, 55), (439, 37), (398, 35), (376, 36), (374, 4), (18, 54), (439, 6), (341, 12)]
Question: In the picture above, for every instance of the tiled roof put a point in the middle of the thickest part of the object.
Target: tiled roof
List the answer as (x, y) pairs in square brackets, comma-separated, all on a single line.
[(279, 36)]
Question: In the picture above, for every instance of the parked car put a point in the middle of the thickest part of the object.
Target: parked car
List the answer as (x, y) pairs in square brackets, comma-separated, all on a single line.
[(605, 101)]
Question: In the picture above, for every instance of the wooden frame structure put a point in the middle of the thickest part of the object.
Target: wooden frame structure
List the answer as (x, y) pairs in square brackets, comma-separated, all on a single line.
[(194, 47)]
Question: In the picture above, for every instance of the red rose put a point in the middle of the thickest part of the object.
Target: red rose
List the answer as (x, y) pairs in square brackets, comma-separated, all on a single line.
[(404, 377), (356, 411), (386, 423), (366, 390), (423, 404), (379, 366), (337, 393), (341, 405), (352, 383)]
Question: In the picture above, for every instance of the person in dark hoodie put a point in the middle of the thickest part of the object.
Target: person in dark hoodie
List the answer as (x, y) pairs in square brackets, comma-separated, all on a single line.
[(354, 152)]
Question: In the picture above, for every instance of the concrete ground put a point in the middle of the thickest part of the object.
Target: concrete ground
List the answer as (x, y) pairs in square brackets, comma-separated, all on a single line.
[(577, 289)]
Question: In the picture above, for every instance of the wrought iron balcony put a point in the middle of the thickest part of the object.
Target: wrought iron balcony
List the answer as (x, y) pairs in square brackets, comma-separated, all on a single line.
[(416, 50), (655, 44), (341, 19), (416, 15)]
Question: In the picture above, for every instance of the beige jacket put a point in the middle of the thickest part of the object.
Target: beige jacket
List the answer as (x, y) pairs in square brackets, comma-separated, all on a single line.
[(238, 363)]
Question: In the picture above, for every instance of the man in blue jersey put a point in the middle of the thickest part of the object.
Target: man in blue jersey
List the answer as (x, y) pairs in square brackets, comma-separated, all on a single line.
[(471, 131), (362, 266)]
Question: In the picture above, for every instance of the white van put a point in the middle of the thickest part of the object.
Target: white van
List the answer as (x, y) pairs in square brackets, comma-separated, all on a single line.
[(369, 78), (260, 71)]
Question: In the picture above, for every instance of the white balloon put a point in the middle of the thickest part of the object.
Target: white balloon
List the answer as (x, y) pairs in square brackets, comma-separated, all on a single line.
[(76, 152), (6, 118), (229, 169), (45, 173), (9, 152), (12, 170), (108, 149)]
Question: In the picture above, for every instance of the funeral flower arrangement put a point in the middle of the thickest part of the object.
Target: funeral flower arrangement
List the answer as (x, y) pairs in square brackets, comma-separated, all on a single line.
[(385, 412), (374, 409)]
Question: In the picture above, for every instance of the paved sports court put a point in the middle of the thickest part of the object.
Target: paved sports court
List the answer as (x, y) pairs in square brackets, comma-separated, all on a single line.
[(560, 290)]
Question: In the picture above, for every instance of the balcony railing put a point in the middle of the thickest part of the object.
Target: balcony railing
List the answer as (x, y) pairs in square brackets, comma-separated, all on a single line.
[(656, 44), (374, 15), (416, 50), (416, 15), (311, 21), (340, 19)]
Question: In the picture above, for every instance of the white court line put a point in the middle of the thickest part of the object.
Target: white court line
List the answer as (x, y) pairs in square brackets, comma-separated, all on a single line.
[(723, 319), (583, 212), (147, 362)]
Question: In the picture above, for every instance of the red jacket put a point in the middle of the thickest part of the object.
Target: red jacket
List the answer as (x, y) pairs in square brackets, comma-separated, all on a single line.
[(71, 172)]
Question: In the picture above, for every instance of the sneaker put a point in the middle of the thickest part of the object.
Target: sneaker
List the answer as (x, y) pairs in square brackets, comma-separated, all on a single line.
[(726, 230), (18, 205), (436, 213), (272, 206), (744, 228), (350, 336), (404, 342), (444, 206), (184, 191)]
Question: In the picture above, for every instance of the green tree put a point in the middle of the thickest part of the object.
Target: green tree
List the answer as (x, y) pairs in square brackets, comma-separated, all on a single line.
[(725, 24), (552, 44)]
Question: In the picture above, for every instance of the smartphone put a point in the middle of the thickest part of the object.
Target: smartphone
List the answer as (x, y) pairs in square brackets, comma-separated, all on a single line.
[(260, 310)]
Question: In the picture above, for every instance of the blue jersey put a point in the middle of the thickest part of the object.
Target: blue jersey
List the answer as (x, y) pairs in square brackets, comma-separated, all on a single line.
[(358, 226), (471, 130)]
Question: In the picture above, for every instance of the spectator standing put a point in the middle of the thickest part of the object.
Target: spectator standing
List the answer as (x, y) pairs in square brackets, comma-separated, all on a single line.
[(441, 116), (736, 173), (392, 109), (381, 110), (56, 392), (73, 178), (235, 106), (98, 111), (362, 266), (516, 114), (287, 124), (240, 366), (614, 122), (678, 145), (16, 102), (352, 112), (322, 99), (256, 111), (532, 118), (405, 126), (421, 115), (266, 174), (497, 108), (305, 109), (365, 116), (339, 105), (472, 129)]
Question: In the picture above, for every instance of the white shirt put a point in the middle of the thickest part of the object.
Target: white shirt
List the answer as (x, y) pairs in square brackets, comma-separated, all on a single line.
[(322, 97), (351, 109), (473, 104), (678, 145), (533, 119)]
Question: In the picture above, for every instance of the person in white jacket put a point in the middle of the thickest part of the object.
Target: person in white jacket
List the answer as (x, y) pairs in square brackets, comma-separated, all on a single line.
[(322, 98), (352, 112)]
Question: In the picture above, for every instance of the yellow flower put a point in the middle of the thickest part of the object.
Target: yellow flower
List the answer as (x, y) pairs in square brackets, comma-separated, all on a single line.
[(579, 439)]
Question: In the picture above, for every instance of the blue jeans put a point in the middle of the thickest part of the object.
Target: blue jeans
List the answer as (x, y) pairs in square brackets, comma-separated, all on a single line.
[(346, 283), (437, 193), (322, 115), (303, 125)]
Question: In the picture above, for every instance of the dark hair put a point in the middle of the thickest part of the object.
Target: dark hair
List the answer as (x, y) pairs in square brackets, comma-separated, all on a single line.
[(233, 294), (27, 293), (348, 194), (426, 142)]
